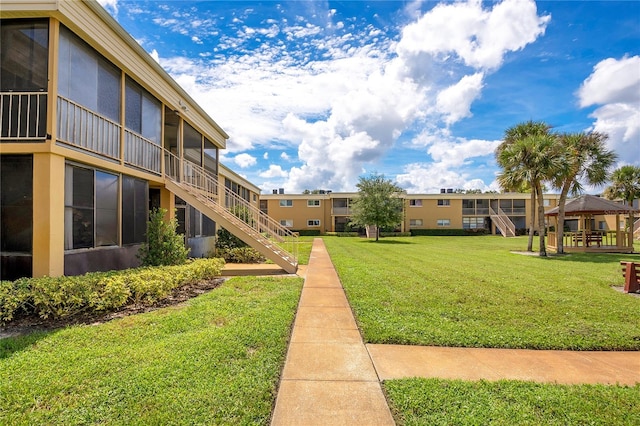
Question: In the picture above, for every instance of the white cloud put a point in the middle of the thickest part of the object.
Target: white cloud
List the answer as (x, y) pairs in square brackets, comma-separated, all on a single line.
[(111, 5), (244, 160), (274, 171), (154, 54), (615, 85), (422, 178), (285, 156), (265, 155), (455, 101)]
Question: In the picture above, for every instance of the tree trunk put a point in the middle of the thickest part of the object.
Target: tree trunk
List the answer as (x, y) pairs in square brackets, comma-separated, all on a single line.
[(532, 221), (560, 230), (541, 227)]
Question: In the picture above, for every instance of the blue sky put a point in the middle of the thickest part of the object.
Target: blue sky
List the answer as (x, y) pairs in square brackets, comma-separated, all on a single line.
[(315, 94)]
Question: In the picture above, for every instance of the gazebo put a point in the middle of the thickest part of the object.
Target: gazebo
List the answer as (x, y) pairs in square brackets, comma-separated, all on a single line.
[(609, 236)]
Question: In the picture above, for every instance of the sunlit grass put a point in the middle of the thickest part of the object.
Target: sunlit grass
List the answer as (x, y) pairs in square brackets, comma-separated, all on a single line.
[(215, 359), (474, 292)]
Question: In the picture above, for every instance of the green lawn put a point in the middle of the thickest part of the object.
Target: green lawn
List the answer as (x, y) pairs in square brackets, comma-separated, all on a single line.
[(215, 359), (473, 292)]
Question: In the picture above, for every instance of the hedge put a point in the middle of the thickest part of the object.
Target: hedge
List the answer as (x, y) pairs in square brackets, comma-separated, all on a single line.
[(309, 232), (61, 297), (448, 232), (342, 234)]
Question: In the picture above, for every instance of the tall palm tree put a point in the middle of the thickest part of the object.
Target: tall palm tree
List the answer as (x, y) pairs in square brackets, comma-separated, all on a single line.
[(511, 136), (531, 159), (585, 158), (625, 184)]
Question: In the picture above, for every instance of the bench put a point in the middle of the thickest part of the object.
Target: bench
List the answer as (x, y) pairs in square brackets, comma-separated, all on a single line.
[(590, 238), (631, 273)]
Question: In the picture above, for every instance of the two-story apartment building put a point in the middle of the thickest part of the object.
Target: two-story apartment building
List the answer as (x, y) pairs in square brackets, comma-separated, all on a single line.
[(330, 211), (93, 133)]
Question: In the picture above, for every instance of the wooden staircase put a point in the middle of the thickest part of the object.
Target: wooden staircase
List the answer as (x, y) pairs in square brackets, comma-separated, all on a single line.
[(199, 188), (503, 223)]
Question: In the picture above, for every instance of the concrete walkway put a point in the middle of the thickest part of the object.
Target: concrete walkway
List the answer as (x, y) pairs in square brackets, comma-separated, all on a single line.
[(331, 378)]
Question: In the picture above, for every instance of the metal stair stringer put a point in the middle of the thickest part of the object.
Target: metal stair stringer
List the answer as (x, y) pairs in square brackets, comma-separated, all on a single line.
[(506, 227), (236, 226)]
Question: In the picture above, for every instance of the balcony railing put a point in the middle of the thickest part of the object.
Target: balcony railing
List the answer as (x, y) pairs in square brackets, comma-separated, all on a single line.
[(23, 116), (341, 211), (83, 128), (141, 152)]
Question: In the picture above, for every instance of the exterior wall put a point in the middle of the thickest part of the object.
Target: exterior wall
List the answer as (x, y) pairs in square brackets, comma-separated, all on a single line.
[(434, 212), (51, 156)]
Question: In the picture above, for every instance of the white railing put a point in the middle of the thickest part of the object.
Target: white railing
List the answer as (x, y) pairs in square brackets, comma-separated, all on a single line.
[(235, 208), (506, 226), (141, 152), (81, 127), (23, 115)]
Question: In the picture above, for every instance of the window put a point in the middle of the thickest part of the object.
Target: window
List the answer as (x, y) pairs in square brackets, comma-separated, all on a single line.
[(134, 210), (546, 202), (602, 225), (87, 78), (313, 203), (472, 222), (24, 45), (91, 208), (444, 222), (313, 222), (16, 199), (286, 222), (286, 203), (444, 202), (264, 206), (415, 222), (415, 203), (142, 112)]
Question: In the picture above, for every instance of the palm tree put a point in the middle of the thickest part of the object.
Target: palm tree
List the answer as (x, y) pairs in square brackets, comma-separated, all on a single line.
[(511, 136), (585, 158), (626, 185), (531, 159)]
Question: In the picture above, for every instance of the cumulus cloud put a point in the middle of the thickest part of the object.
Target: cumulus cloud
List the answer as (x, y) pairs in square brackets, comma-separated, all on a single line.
[(244, 160), (274, 171), (285, 156), (346, 97), (614, 86), (111, 5)]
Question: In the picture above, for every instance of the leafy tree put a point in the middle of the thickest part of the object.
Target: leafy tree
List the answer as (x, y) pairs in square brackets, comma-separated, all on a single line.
[(512, 179), (164, 245), (625, 184), (531, 159), (585, 158), (377, 203)]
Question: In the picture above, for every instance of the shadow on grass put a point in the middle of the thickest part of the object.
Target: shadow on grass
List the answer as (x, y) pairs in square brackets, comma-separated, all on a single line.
[(12, 344), (385, 241), (595, 257)]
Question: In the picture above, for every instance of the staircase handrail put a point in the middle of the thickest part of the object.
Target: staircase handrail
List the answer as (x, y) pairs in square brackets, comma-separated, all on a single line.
[(509, 222), (506, 227), (185, 172)]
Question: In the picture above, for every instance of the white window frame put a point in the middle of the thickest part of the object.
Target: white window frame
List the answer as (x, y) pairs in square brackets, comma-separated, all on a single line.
[(443, 202), (286, 203), (444, 223), (313, 203), (415, 222), (415, 203), (313, 223), (287, 223)]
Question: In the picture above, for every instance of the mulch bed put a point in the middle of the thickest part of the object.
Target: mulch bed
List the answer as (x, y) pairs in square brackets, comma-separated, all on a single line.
[(25, 324)]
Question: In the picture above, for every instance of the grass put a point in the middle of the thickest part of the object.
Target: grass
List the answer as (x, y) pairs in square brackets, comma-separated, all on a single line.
[(473, 292), (213, 360), (449, 402)]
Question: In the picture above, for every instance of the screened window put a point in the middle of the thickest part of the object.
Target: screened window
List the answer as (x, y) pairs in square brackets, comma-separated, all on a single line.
[(134, 210), (16, 199), (415, 203), (415, 222), (143, 112), (91, 208), (286, 222), (87, 78), (444, 222), (313, 203), (210, 156), (444, 202), (286, 203), (24, 45), (313, 222), (192, 144), (264, 206)]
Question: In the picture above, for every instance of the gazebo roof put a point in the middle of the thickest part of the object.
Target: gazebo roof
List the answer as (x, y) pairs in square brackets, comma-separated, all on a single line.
[(590, 204)]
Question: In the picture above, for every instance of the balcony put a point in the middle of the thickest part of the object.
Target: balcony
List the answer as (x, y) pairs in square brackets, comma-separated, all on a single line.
[(23, 116)]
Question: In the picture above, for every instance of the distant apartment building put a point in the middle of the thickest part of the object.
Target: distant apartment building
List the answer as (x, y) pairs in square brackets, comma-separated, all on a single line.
[(331, 211), (93, 134)]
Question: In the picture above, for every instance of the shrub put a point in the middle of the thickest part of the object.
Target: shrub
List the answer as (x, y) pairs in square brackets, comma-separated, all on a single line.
[(448, 232), (164, 246), (395, 234), (342, 234), (61, 297), (241, 255), (309, 232)]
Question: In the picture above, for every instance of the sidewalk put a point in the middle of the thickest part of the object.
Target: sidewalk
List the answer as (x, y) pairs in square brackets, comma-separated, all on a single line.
[(331, 378)]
